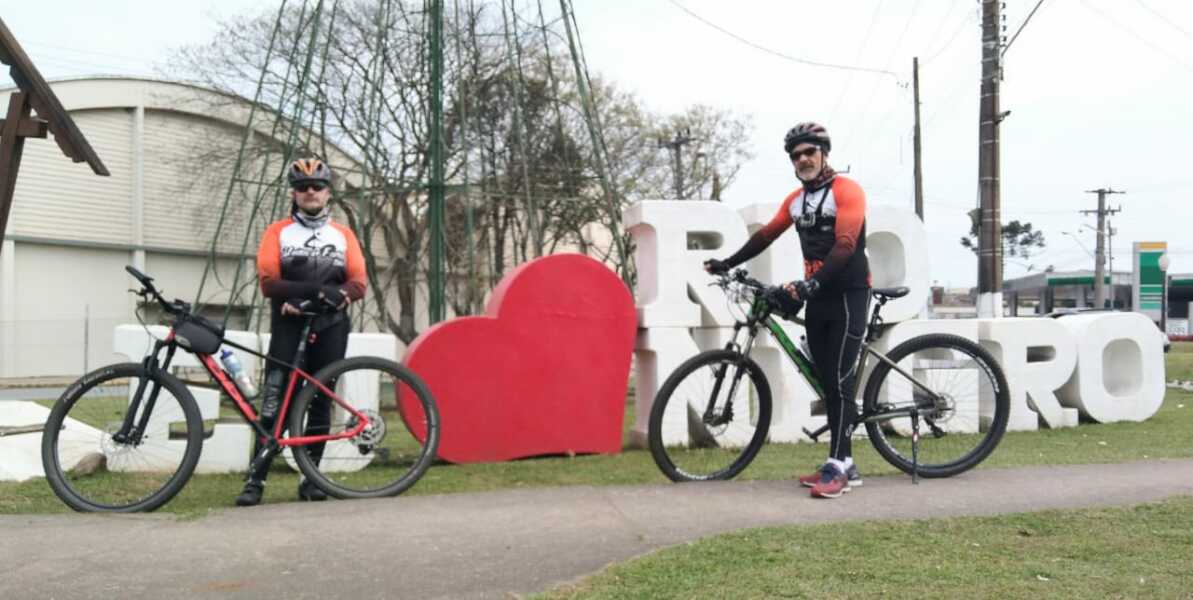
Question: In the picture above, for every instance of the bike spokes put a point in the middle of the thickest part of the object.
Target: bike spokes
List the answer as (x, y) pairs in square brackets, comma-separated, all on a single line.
[(956, 395), (388, 438), (96, 461), (713, 415)]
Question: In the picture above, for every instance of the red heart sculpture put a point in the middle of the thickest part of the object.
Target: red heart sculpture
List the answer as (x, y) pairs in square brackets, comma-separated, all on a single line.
[(543, 372)]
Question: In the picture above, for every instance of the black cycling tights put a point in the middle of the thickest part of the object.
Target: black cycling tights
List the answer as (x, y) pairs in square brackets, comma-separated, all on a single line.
[(330, 346), (835, 326)]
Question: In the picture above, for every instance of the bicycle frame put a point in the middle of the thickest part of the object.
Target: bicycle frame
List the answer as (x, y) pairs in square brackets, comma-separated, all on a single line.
[(759, 315), (130, 433), (795, 355)]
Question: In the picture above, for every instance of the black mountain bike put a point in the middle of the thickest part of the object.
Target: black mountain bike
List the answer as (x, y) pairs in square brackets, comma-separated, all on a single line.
[(935, 405), (127, 437)]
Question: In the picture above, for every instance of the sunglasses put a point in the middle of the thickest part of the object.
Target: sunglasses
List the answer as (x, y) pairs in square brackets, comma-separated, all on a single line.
[(807, 152), (314, 187)]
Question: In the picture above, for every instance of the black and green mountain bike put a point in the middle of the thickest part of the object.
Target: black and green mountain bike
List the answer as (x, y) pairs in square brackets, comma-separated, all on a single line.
[(934, 406)]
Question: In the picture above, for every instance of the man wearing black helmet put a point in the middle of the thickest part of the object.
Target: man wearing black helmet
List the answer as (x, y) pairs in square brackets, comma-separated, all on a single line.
[(305, 257), (829, 213)]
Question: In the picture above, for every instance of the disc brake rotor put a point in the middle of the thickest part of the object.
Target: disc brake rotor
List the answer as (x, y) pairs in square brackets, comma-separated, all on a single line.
[(371, 435)]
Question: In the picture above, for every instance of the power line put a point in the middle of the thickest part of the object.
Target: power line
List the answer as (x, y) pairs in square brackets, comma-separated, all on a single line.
[(860, 50), (803, 61), (1166, 20), (87, 52), (943, 19), (1135, 35), (64, 62), (965, 20), (1018, 31), (1039, 212), (858, 124)]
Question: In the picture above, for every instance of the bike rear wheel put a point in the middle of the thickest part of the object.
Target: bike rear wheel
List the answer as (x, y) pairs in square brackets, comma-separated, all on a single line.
[(91, 470), (710, 418), (392, 453), (960, 427)]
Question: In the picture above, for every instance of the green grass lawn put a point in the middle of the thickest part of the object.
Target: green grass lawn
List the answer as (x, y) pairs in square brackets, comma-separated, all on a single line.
[(1165, 435), (1179, 361), (1143, 551)]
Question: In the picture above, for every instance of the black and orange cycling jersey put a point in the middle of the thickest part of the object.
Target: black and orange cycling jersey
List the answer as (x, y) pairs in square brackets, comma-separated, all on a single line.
[(295, 262), (831, 222)]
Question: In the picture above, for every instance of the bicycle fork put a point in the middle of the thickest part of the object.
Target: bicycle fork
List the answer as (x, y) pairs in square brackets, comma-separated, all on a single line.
[(130, 433), (719, 380), (727, 414)]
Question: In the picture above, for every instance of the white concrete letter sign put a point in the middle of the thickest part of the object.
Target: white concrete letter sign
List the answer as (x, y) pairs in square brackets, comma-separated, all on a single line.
[(1116, 378), (1037, 356), (1105, 366)]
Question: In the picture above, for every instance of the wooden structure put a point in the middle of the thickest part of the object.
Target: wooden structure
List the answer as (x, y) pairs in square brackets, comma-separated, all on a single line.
[(33, 94)]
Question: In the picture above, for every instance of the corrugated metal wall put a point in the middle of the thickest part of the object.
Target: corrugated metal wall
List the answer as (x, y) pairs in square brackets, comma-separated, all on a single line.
[(56, 198)]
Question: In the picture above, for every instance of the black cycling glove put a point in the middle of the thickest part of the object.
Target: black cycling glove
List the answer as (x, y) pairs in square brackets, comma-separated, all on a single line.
[(782, 303), (715, 266), (807, 289), (333, 296)]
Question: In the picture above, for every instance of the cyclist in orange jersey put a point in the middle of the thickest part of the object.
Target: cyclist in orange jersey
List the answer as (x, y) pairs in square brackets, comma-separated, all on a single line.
[(305, 257), (829, 214)]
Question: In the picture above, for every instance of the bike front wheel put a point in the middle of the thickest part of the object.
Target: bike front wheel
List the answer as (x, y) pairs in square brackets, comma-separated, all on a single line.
[(960, 393), (710, 418), (94, 466), (391, 453)]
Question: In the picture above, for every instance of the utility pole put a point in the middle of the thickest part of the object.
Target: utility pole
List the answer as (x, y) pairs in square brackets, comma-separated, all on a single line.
[(990, 225), (682, 138), (1110, 231), (919, 173), (436, 280), (1100, 253)]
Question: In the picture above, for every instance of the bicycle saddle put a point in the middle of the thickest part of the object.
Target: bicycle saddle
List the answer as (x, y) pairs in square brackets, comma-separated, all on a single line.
[(890, 293)]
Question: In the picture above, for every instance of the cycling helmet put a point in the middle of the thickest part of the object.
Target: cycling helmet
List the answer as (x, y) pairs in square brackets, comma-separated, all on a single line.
[(306, 170), (809, 133)]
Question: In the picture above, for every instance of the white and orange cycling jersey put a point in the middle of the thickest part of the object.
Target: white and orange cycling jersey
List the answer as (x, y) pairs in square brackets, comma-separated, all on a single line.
[(295, 261)]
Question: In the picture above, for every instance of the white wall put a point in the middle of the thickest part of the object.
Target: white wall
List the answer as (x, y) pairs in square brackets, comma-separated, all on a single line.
[(56, 198), (56, 287)]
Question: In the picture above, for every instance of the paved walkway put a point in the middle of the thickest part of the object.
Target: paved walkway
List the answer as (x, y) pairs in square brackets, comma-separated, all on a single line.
[(492, 544)]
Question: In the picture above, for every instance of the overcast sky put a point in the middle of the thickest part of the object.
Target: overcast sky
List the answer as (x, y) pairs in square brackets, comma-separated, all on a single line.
[(1098, 91)]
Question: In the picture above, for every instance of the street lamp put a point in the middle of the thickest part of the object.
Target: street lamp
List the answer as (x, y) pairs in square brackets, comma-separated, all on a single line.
[(1078, 241)]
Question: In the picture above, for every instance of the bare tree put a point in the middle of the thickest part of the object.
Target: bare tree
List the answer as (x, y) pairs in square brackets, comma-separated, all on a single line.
[(353, 83)]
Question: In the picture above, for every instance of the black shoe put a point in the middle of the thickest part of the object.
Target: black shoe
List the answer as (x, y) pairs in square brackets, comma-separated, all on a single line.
[(251, 494), (309, 492)]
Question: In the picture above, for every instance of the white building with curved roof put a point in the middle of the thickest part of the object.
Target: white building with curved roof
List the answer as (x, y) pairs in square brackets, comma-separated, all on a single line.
[(62, 282)]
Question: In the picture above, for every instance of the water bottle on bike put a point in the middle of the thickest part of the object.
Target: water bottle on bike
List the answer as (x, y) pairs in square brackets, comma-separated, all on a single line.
[(237, 373)]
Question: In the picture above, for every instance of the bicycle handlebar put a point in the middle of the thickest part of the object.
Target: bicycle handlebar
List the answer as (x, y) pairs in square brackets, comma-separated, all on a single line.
[(307, 308), (149, 290), (316, 308), (742, 277)]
